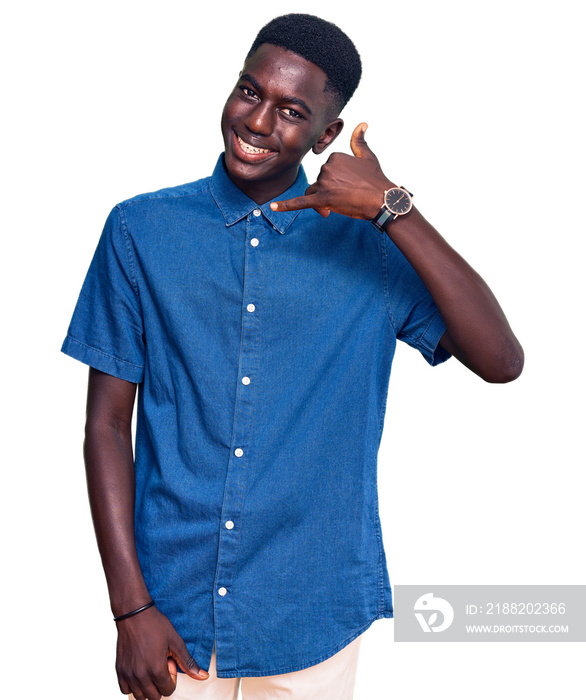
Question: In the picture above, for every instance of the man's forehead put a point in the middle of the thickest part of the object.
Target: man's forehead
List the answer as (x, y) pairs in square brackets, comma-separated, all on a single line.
[(275, 64)]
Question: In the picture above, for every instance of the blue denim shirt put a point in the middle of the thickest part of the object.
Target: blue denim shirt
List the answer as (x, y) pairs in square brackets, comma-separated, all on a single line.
[(262, 343)]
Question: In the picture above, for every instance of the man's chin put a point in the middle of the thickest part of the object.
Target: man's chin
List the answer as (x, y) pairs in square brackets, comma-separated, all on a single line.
[(244, 170)]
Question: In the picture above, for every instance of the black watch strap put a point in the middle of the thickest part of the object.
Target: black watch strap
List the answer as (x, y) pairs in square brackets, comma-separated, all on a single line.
[(382, 218)]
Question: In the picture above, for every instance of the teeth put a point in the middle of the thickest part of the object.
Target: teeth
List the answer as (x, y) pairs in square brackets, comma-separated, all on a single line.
[(251, 149)]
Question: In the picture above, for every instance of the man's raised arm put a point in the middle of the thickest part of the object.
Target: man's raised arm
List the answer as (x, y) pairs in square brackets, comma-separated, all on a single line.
[(478, 333), (148, 645)]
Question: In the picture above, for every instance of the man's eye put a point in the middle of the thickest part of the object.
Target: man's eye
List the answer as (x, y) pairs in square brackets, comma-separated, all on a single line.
[(292, 113), (248, 91)]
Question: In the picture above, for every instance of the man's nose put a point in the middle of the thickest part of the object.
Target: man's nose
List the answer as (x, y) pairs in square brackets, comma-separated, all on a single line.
[(260, 120)]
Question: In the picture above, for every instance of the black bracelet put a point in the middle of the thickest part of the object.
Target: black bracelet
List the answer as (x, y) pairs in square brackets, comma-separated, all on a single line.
[(135, 612)]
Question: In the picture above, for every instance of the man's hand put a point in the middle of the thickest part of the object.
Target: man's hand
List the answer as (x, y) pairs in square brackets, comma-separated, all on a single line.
[(349, 185), (477, 332), (148, 652)]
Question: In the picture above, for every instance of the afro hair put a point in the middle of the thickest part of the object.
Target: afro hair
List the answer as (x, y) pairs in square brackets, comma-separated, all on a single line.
[(320, 42)]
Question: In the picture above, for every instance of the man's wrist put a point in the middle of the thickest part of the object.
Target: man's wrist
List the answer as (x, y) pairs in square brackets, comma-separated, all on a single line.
[(137, 611), (129, 598), (377, 200)]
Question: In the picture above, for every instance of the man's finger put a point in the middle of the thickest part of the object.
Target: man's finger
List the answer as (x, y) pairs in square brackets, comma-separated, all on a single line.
[(304, 202), (186, 662), (172, 666), (358, 144)]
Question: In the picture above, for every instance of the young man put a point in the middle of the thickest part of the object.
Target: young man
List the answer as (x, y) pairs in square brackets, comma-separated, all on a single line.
[(258, 318)]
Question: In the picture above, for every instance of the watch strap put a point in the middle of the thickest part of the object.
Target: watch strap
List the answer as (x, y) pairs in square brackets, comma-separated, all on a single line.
[(381, 219)]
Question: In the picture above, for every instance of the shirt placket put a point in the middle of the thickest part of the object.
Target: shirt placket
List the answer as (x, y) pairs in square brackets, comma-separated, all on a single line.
[(241, 458)]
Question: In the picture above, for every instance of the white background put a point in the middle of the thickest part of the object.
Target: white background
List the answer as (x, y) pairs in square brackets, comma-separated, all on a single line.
[(478, 109)]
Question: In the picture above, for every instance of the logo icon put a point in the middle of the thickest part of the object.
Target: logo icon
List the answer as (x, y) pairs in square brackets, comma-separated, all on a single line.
[(428, 603)]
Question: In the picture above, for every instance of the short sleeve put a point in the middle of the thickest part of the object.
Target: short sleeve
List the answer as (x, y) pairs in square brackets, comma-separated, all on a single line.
[(412, 311), (106, 329)]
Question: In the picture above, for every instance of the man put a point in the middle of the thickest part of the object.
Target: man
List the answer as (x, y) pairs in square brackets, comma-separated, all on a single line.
[(258, 318)]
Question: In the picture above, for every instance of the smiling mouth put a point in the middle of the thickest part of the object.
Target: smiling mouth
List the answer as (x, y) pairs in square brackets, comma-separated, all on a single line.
[(248, 148)]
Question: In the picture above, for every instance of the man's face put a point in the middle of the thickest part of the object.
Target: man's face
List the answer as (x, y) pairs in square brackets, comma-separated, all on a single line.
[(276, 113)]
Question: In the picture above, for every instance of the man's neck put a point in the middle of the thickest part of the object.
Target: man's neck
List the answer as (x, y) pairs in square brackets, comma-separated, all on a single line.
[(263, 191)]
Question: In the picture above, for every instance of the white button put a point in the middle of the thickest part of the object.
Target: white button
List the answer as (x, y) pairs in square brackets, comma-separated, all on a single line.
[(256, 212), (229, 524), (238, 452), (254, 242), (246, 380), (251, 307), (222, 591)]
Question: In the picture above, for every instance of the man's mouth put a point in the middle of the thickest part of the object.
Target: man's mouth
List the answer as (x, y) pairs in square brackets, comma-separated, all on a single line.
[(249, 148)]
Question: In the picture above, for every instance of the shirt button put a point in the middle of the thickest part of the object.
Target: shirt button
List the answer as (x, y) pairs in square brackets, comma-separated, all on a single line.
[(246, 380), (251, 307), (222, 591), (238, 452), (256, 212), (254, 242), (229, 524)]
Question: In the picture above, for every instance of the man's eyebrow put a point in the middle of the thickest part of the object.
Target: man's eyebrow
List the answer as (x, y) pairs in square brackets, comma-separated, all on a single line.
[(249, 79), (293, 100), (298, 101)]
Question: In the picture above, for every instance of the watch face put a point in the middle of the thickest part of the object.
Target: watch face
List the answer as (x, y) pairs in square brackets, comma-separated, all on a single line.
[(398, 201)]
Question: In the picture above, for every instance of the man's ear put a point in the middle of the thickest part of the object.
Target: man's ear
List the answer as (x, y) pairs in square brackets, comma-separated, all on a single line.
[(328, 135)]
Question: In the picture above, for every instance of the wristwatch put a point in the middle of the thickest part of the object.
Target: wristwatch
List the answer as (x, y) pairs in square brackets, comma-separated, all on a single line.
[(397, 202)]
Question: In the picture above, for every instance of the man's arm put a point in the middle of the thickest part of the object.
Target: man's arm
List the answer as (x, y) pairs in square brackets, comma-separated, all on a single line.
[(146, 640), (478, 333)]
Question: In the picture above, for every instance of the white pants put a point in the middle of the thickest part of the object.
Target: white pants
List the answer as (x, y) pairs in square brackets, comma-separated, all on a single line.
[(332, 679)]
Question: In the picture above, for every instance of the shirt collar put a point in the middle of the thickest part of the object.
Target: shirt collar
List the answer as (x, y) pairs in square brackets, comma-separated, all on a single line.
[(235, 205)]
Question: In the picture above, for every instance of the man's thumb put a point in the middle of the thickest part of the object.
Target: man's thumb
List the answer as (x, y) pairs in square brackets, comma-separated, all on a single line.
[(358, 144), (187, 663)]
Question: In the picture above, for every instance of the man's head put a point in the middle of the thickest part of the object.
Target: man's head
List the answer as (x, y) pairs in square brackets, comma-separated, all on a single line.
[(299, 73), (321, 43)]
